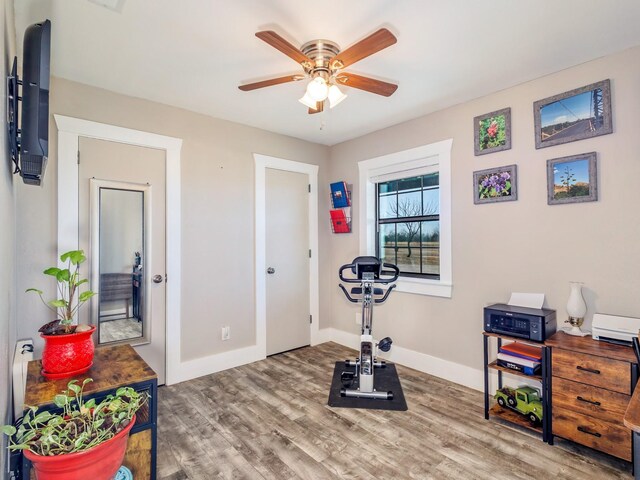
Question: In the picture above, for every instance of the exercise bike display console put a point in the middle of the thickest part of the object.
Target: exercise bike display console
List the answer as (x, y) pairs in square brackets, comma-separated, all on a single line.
[(367, 272)]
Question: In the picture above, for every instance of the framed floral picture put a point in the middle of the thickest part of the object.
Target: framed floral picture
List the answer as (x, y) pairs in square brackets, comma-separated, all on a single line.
[(572, 179), (492, 132), (495, 185)]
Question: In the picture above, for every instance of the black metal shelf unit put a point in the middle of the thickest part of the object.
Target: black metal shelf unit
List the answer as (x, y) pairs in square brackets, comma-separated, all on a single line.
[(544, 378)]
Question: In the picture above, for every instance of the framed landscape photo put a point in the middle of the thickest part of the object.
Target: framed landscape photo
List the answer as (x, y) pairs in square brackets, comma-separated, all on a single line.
[(572, 179), (495, 185), (492, 132), (581, 113)]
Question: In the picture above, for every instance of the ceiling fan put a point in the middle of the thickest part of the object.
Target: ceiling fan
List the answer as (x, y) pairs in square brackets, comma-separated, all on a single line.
[(323, 62)]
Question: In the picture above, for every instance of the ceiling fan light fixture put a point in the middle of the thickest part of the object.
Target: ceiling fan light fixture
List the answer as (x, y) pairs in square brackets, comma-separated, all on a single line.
[(335, 96), (308, 101), (318, 90)]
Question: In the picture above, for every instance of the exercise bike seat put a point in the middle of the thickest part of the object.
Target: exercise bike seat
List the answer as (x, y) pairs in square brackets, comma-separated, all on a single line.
[(358, 291)]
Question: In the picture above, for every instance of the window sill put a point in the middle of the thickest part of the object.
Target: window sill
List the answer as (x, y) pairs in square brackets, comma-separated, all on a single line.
[(419, 286)]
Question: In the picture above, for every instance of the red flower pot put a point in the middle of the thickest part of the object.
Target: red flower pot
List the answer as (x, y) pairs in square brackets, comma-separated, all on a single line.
[(67, 355), (98, 463)]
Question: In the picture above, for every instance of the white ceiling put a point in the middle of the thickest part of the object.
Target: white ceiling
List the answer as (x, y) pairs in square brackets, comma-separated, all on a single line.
[(194, 53)]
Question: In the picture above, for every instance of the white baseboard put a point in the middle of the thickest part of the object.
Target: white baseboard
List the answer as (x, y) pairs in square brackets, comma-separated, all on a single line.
[(216, 363), (322, 336), (454, 372), (119, 311)]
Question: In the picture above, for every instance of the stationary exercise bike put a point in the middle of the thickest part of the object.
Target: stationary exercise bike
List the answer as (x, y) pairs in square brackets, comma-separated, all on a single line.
[(368, 271)]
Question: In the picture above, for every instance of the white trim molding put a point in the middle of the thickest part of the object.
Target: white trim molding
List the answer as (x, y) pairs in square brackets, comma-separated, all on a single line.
[(262, 162), (69, 132), (438, 367), (415, 161)]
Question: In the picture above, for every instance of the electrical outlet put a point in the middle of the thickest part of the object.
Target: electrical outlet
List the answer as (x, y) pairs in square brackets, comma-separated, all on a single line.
[(226, 332), (358, 318)]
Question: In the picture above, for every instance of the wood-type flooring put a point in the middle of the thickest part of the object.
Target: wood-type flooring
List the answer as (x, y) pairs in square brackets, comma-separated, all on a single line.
[(270, 420)]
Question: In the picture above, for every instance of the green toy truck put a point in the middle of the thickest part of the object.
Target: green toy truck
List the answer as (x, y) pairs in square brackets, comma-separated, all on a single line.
[(525, 400)]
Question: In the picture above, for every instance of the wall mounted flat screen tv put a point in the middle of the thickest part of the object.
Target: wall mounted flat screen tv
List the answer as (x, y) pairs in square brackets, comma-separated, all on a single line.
[(29, 130)]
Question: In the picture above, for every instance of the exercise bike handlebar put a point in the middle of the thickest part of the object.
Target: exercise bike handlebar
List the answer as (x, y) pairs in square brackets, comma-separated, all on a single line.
[(376, 300), (393, 274), (346, 294), (386, 294)]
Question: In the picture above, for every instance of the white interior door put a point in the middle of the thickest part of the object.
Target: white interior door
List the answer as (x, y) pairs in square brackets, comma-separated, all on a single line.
[(132, 258), (287, 257)]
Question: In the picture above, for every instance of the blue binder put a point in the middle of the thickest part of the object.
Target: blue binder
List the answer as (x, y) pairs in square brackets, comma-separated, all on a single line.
[(339, 195)]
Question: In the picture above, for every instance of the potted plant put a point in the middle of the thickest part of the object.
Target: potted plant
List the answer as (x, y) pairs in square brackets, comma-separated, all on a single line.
[(68, 349), (86, 439)]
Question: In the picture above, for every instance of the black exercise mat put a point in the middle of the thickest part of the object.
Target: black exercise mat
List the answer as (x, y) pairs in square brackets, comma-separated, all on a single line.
[(386, 379)]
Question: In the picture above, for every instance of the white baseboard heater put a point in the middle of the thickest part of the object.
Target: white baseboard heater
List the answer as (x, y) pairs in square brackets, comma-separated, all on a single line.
[(21, 358)]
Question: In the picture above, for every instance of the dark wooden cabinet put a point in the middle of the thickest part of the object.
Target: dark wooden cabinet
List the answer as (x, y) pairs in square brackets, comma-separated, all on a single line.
[(113, 367), (591, 386)]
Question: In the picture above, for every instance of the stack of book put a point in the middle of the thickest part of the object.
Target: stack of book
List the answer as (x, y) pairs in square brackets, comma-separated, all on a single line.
[(521, 357)]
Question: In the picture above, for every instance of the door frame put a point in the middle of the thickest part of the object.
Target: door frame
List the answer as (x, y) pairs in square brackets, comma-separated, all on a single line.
[(70, 130), (262, 162)]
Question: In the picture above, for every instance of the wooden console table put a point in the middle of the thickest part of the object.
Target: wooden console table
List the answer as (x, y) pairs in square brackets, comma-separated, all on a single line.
[(113, 367), (591, 387)]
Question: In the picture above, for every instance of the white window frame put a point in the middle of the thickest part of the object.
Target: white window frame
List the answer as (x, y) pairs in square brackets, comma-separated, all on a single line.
[(404, 164)]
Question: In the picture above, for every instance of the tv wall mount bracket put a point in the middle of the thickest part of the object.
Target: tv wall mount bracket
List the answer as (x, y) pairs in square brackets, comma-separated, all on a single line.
[(13, 97)]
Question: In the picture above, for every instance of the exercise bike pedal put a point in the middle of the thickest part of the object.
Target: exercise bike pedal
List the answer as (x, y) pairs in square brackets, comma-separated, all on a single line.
[(385, 344), (347, 380)]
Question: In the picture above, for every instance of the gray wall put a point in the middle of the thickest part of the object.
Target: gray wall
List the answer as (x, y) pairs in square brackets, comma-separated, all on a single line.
[(7, 238), (523, 246), (217, 213)]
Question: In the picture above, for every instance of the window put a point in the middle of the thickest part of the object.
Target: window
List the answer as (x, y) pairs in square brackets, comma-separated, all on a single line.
[(408, 224), (405, 215)]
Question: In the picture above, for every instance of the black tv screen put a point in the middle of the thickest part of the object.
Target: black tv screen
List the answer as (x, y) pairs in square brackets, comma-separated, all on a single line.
[(33, 144)]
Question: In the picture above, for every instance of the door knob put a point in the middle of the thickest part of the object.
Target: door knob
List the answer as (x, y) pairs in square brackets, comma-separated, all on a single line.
[(157, 279), (271, 270)]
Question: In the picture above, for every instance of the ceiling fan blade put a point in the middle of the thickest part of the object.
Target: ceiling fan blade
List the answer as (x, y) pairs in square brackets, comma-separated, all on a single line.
[(276, 41), (375, 42), (319, 108), (272, 81), (368, 84)]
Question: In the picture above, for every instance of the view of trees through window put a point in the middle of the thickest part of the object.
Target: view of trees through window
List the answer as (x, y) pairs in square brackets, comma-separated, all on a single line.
[(408, 218)]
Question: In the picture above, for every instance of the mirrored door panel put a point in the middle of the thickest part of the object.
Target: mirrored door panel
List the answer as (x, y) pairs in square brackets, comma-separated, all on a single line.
[(119, 230)]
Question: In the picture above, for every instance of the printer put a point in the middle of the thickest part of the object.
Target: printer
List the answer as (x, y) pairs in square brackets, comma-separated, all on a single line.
[(614, 328)]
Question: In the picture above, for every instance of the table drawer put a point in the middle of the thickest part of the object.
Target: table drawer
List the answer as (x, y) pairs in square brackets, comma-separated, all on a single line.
[(592, 432), (588, 400), (592, 370)]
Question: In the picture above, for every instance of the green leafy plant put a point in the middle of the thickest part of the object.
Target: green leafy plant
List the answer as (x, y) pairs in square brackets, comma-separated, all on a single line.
[(70, 299), (79, 426)]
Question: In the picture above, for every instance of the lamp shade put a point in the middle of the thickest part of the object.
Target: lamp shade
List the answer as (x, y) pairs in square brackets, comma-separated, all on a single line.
[(576, 308), (335, 96), (308, 101), (318, 89)]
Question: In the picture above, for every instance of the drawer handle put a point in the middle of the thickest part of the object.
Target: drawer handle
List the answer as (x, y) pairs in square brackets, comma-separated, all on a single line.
[(585, 430), (592, 402), (590, 370)]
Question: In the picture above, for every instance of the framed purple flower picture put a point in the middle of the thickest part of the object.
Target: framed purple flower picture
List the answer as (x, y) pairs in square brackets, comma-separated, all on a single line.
[(495, 185)]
